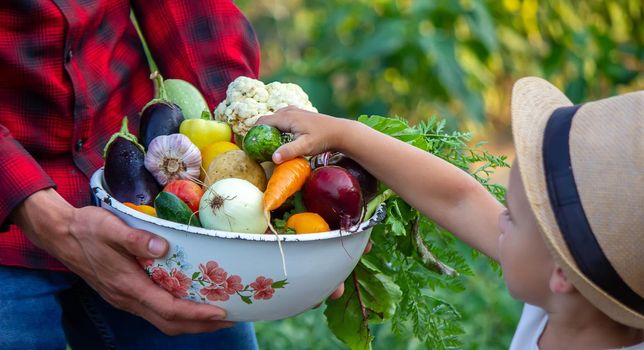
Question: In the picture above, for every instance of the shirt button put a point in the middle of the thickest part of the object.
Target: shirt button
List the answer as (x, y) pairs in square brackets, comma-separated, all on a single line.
[(68, 56), (79, 145)]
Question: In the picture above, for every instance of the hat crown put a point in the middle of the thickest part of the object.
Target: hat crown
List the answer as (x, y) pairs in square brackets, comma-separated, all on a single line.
[(607, 158)]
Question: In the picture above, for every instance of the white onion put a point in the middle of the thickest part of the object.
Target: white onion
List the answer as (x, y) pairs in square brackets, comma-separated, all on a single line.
[(233, 205)]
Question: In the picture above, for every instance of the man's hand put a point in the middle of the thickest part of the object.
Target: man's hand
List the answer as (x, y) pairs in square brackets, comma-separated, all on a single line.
[(101, 249)]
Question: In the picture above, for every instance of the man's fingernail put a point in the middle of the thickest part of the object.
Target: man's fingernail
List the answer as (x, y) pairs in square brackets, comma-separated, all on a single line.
[(156, 246), (218, 317)]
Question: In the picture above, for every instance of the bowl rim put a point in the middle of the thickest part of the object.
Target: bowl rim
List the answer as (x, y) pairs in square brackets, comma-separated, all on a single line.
[(98, 190)]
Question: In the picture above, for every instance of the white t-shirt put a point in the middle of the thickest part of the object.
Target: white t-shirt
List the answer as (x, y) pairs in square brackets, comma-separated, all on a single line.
[(533, 321)]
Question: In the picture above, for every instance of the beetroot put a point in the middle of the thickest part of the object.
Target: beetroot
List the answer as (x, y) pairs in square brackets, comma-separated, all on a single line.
[(335, 194), (368, 183)]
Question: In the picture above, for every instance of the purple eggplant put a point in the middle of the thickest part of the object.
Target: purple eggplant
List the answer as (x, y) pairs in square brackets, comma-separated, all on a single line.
[(368, 183), (160, 116), (125, 175)]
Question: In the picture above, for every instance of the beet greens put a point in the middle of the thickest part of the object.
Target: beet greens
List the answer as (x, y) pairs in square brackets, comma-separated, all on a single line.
[(411, 255)]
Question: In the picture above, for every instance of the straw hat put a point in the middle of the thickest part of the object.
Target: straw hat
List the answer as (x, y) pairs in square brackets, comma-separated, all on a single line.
[(585, 184)]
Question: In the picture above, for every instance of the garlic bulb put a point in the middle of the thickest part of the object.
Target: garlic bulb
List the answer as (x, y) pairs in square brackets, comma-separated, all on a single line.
[(171, 157)]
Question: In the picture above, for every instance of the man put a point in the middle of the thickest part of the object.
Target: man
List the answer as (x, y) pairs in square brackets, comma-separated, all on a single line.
[(70, 70)]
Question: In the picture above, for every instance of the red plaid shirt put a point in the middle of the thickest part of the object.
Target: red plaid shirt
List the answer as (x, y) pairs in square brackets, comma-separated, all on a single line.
[(69, 72)]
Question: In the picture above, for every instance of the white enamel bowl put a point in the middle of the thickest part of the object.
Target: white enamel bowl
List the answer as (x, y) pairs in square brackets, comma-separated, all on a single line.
[(242, 272)]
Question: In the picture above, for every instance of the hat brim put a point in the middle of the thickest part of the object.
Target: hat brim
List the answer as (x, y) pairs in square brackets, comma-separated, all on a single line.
[(533, 102)]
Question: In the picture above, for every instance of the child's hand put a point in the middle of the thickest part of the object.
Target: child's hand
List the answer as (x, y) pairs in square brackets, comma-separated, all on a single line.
[(314, 133)]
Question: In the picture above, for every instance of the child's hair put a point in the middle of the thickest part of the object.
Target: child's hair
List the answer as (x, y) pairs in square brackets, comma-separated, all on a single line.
[(583, 171)]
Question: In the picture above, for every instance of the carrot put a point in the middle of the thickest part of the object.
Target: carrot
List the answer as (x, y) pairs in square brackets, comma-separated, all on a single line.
[(287, 178)]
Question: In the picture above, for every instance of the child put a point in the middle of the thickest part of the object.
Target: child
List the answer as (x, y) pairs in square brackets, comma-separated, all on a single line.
[(571, 240)]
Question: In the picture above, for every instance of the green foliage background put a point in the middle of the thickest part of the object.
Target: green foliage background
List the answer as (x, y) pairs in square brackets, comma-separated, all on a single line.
[(455, 59)]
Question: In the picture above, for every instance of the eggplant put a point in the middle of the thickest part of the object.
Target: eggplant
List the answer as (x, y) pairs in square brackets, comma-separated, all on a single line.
[(160, 116), (125, 175), (368, 183)]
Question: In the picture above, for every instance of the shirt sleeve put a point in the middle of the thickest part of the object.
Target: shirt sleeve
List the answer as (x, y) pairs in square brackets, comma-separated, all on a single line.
[(208, 43), (20, 176)]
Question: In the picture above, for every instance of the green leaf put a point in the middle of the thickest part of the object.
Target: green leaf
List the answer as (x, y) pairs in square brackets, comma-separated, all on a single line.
[(279, 284), (387, 125), (246, 299), (395, 226), (399, 214), (298, 203), (379, 293), (195, 275), (344, 317), (367, 263)]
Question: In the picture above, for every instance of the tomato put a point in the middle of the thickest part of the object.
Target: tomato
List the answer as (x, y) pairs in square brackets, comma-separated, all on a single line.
[(307, 223), (187, 191)]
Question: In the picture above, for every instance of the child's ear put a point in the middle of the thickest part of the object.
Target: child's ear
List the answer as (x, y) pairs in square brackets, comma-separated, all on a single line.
[(559, 283)]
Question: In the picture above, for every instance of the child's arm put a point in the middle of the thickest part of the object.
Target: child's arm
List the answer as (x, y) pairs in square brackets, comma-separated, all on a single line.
[(438, 189)]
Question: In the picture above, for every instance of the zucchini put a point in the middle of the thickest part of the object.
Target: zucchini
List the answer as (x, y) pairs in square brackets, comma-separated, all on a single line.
[(187, 97)]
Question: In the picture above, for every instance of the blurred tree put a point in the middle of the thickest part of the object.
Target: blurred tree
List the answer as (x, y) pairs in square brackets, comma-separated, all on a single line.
[(456, 59)]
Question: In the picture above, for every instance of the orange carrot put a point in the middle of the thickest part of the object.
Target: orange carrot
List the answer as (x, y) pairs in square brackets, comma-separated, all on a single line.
[(287, 178)]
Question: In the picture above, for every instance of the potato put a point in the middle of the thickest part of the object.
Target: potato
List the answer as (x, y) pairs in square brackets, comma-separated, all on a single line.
[(235, 164)]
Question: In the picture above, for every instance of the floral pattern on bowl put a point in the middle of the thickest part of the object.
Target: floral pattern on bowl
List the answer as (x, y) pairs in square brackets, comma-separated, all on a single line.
[(211, 282)]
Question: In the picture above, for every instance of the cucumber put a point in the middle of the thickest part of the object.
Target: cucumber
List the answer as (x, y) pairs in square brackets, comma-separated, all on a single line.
[(170, 207), (262, 141), (186, 96)]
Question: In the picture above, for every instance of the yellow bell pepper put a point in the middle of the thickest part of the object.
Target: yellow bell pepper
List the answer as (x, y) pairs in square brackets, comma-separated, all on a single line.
[(205, 131), (211, 151)]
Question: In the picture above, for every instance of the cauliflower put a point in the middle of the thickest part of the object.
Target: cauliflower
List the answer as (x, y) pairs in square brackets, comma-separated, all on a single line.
[(248, 99)]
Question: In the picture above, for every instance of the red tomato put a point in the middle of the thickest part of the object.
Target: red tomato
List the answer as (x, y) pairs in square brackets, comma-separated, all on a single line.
[(187, 191)]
